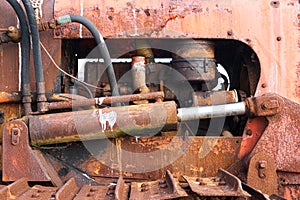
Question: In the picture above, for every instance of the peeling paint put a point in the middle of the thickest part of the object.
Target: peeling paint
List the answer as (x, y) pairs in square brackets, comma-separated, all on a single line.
[(110, 117)]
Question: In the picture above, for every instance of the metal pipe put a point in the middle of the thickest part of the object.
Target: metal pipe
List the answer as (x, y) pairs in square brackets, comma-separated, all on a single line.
[(205, 112), (105, 100)]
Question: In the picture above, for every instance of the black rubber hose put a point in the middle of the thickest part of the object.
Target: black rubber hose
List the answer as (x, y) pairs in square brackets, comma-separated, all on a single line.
[(100, 44), (35, 41), (38, 67), (25, 54)]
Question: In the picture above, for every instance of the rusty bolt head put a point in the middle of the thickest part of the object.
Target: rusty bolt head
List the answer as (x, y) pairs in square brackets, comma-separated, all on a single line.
[(229, 33), (264, 85), (262, 164), (93, 190), (222, 182), (249, 132), (144, 185), (163, 181), (278, 38), (35, 195), (144, 189)]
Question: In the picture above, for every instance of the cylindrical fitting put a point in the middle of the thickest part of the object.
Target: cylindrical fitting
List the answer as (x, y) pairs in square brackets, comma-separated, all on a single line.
[(102, 123), (205, 112), (214, 98), (139, 74)]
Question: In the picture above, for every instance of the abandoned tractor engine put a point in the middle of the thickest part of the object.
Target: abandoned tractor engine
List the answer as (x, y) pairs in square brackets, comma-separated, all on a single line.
[(153, 100)]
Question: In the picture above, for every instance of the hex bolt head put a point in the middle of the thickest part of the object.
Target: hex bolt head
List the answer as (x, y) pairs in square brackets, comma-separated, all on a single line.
[(249, 132)]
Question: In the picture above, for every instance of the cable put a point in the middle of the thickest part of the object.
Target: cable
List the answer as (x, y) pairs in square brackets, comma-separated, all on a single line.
[(100, 44), (64, 72), (25, 56)]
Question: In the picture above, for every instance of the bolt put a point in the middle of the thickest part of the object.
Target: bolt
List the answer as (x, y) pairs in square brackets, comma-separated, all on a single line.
[(144, 185), (89, 195), (222, 183), (143, 189), (278, 38), (249, 132), (57, 33), (163, 181), (163, 185), (93, 190), (264, 85), (15, 132), (35, 195), (229, 33), (262, 165)]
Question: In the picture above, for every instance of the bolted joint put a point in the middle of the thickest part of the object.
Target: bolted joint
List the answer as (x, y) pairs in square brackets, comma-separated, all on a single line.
[(261, 167), (14, 33), (266, 105)]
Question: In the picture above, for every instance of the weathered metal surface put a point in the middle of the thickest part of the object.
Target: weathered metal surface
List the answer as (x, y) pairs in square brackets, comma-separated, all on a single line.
[(225, 184), (272, 31), (167, 188), (252, 132), (102, 123), (105, 100), (89, 192), (280, 140), (38, 192), (266, 105), (218, 97), (262, 174), (15, 189), (289, 184), (67, 191), (18, 154), (191, 156), (255, 194)]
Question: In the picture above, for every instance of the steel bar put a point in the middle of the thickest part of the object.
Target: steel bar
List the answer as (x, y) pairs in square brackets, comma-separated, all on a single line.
[(205, 112), (105, 100), (112, 122)]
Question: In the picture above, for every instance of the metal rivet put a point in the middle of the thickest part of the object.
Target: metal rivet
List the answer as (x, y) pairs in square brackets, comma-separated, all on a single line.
[(264, 85), (249, 132), (229, 33), (278, 38)]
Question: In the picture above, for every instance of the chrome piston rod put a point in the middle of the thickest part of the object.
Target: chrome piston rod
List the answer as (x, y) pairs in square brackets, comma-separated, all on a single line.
[(205, 112)]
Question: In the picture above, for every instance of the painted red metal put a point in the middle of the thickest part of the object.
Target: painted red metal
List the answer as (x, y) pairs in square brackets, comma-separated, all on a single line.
[(271, 31)]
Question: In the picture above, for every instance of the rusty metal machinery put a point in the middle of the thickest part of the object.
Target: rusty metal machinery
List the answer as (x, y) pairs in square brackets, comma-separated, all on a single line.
[(150, 100)]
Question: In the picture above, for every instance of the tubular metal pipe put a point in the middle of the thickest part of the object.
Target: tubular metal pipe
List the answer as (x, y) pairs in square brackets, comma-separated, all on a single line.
[(25, 54), (40, 84), (205, 112), (100, 44)]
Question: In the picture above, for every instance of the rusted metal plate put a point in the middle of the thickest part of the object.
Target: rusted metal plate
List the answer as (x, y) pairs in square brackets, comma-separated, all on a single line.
[(89, 192), (225, 184), (38, 192), (280, 140), (262, 174), (18, 160), (252, 132), (167, 188), (102, 123), (67, 191), (289, 184), (275, 43), (191, 156)]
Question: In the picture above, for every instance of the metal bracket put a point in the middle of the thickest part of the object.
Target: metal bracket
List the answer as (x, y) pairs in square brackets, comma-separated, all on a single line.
[(19, 160), (15, 136)]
